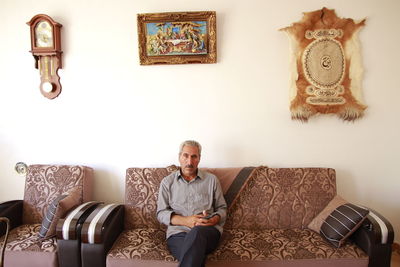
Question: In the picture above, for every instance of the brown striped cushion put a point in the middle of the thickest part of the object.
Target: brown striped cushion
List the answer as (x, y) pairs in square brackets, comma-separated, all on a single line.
[(342, 222), (58, 209), (50, 216)]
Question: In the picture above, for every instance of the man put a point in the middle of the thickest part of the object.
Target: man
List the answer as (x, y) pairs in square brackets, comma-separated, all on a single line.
[(192, 205)]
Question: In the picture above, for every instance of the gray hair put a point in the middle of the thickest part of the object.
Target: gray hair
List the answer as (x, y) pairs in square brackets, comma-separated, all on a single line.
[(190, 143)]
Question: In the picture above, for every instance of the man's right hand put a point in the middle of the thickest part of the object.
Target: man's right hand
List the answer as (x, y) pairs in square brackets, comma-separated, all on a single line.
[(189, 221)]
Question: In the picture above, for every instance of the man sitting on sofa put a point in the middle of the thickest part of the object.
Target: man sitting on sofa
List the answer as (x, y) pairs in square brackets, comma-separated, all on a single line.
[(192, 205)]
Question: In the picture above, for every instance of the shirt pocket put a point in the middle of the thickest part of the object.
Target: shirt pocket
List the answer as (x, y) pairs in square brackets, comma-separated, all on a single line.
[(201, 201), (179, 203)]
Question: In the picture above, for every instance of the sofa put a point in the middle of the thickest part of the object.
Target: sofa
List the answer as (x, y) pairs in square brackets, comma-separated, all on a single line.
[(272, 213), (51, 193)]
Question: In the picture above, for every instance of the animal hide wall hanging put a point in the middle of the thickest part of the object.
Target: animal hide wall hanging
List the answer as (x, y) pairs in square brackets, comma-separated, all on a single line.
[(326, 66)]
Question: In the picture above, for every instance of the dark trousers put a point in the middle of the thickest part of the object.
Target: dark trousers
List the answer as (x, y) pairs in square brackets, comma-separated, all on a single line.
[(192, 248)]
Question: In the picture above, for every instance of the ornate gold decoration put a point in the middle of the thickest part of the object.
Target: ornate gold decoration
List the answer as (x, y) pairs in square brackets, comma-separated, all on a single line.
[(210, 38)]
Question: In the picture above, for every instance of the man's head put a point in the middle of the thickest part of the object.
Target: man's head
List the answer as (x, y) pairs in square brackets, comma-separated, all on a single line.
[(189, 158)]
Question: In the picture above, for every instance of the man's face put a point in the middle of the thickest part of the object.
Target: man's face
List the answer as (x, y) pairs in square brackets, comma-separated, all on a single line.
[(189, 160)]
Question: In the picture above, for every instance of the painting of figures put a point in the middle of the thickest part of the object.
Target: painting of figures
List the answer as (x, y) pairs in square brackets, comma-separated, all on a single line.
[(177, 37)]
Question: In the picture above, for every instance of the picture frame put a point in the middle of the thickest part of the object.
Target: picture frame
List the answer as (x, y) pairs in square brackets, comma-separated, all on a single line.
[(177, 37)]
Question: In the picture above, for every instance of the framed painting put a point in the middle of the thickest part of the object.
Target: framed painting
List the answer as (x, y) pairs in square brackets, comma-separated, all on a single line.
[(177, 37)]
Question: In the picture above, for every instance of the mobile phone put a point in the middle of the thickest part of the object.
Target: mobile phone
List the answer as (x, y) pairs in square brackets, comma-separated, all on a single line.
[(208, 216)]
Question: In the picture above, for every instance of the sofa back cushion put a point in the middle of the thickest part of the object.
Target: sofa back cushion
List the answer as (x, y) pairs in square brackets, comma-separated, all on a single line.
[(281, 198), (44, 183), (141, 194), (257, 198)]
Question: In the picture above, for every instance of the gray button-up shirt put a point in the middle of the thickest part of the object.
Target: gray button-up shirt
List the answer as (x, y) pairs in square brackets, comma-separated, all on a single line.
[(185, 198)]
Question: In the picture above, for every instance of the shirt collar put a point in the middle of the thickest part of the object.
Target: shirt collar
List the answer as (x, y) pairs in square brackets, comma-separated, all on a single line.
[(200, 174)]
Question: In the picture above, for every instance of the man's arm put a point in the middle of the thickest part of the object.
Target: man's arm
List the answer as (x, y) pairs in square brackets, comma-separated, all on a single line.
[(189, 221), (164, 210), (220, 203), (220, 207)]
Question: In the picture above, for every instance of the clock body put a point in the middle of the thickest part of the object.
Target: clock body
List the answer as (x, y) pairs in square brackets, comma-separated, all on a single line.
[(45, 35), (46, 50)]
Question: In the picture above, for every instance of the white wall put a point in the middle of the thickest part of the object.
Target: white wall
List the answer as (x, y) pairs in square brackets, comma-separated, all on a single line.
[(114, 113)]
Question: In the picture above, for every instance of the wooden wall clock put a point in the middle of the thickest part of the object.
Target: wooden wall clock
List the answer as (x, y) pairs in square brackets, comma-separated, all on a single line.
[(46, 49)]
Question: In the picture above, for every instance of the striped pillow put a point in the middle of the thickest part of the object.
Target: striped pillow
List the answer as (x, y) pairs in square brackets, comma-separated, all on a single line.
[(342, 222), (45, 229), (58, 209)]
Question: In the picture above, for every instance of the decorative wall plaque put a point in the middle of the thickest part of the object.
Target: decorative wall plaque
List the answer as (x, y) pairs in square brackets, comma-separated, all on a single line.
[(326, 69)]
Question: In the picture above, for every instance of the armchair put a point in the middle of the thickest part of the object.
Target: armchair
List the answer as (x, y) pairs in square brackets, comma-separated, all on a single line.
[(51, 192)]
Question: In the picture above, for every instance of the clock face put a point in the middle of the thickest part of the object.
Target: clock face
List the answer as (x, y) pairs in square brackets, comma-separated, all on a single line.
[(44, 34)]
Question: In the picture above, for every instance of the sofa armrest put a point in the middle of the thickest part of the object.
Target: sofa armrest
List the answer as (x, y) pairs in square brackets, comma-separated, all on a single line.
[(68, 233), (375, 237), (5, 205), (99, 233), (13, 211), (4, 243), (70, 227)]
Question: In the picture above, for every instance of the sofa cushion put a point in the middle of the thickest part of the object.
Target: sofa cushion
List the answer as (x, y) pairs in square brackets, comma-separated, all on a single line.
[(141, 193), (141, 244), (226, 176), (45, 182), (317, 222), (239, 247), (281, 244), (338, 220), (342, 222), (51, 216), (58, 210), (281, 198), (25, 238), (24, 247), (268, 198)]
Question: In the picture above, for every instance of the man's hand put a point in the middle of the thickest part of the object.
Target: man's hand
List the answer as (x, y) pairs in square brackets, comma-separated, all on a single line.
[(194, 220), (208, 222)]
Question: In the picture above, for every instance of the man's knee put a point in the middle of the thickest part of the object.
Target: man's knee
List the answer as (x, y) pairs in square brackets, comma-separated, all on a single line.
[(204, 233), (197, 229), (201, 231), (197, 233)]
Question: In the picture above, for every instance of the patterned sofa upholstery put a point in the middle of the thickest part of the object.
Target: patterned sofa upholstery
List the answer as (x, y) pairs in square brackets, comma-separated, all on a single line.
[(43, 184), (268, 213)]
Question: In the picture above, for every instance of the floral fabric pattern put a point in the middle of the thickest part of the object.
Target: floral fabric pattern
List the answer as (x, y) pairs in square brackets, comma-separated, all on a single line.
[(44, 183), (141, 194), (281, 198), (25, 238), (237, 245), (142, 243), (279, 244)]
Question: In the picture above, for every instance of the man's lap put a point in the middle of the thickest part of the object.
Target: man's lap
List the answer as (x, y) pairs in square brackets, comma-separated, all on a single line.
[(177, 241)]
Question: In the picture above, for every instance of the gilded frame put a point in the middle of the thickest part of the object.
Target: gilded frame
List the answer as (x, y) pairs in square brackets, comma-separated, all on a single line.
[(177, 37)]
